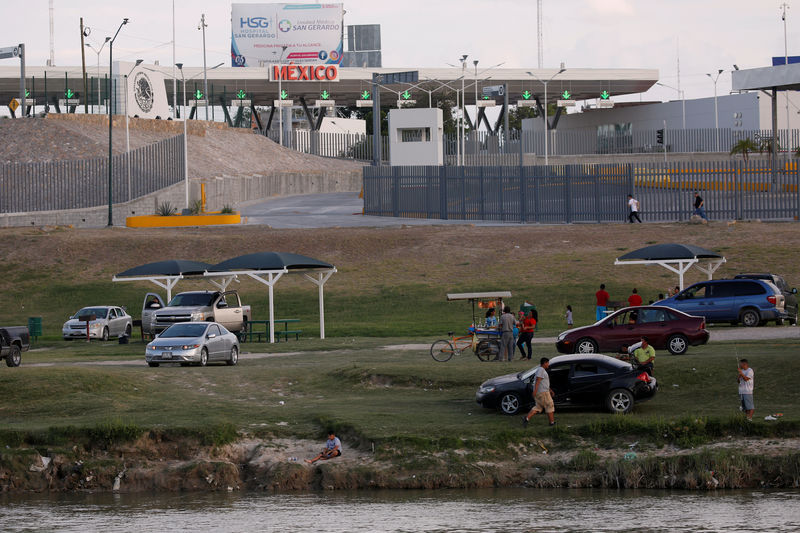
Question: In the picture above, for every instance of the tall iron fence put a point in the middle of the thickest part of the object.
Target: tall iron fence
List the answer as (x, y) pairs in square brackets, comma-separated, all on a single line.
[(584, 193), (354, 146), (57, 185)]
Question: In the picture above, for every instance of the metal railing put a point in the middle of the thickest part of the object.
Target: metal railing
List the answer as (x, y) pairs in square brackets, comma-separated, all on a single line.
[(584, 193), (56, 185), (340, 145)]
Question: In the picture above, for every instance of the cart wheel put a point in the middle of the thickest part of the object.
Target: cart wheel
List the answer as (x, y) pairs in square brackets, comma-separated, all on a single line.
[(442, 351), (488, 350)]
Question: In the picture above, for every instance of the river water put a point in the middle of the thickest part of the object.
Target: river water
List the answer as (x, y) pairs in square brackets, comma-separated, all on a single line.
[(442, 511)]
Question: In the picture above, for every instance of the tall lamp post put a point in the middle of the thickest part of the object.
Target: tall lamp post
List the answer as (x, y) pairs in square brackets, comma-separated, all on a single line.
[(682, 94), (546, 120), (476, 125), (461, 125), (716, 114), (127, 129), (202, 26), (110, 123), (98, 67), (280, 97)]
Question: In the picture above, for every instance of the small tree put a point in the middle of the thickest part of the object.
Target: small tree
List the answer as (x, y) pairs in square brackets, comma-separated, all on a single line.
[(744, 147)]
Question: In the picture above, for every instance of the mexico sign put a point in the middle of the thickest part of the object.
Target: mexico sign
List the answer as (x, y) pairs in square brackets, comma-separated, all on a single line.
[(263, 34), (304, 73)]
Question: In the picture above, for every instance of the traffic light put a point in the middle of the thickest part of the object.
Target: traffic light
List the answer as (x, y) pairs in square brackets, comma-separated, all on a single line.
[(660, 136)]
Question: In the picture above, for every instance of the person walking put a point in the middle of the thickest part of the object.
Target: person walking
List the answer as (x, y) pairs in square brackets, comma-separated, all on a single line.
[(568, 316), (507, 323), (745, 379), (526, 330), (633, 209), (542, 394), (634, 300), (699, 210), (602, 301)]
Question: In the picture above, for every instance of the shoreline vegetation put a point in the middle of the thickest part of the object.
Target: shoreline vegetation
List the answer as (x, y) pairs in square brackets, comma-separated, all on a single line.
[(80, 416)]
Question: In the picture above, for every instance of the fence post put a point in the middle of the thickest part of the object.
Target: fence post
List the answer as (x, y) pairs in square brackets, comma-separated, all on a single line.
[(483, 194), (443, 193), (523, 195), (568, 193), (395, 192)]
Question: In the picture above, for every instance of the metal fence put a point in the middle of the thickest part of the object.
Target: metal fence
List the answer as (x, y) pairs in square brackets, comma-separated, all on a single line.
[(57, 185), (584, 193)]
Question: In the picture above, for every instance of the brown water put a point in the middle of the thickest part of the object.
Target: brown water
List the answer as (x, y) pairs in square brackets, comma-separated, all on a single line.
[(409, 511)]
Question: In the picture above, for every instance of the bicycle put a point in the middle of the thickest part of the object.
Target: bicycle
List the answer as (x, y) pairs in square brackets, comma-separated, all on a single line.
[(484, 349)]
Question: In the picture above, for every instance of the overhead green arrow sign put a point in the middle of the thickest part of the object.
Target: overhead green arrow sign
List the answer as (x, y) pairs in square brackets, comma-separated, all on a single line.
[(284, 95), (566, 95), (605, 95), (527, 95), (365, 95), (325, 95), (68, 93), (241, 95), (485, 97), (198, 94), (406, 95), (27, 93)]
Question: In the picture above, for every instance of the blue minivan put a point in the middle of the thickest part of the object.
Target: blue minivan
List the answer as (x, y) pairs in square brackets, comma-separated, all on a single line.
[(753, 302)]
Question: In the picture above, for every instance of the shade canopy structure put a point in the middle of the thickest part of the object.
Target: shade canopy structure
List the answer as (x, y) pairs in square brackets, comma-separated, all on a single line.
[(165, 274), (268, 268), (677, 258)]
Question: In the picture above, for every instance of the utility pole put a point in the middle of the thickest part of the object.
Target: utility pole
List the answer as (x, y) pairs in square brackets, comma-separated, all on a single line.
[(84, 33), (52, 61), (784, 7), (202, 25), (539, 38), (174, 78)]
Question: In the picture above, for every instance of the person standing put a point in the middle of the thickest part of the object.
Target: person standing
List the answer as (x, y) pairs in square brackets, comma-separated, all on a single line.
[(745, 378), (634, 300), (699, 210), (568, 316), (633, 209), (526, 330), (542, 394), (602, 301), (507, 323)]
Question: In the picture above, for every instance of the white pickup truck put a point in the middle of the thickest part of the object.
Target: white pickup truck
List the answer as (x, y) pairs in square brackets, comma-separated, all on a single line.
[(196, 306)]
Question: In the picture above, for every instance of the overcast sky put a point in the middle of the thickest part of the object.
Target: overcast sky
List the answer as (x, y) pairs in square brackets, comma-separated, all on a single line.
[(710, 34)]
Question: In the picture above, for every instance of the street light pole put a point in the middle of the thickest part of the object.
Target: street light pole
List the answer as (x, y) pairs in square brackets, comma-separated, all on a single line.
[(127, 129), (461, 122), (98, 68), (546, 120), (280, 98), (202, 25), (185, 143), (716, 113), (110, 122), (682, 95), (475, 124), (784, 7)]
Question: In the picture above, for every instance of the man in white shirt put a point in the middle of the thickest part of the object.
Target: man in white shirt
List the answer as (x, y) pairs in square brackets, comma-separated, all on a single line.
[(542, 393), (633, 208), (745, 379)]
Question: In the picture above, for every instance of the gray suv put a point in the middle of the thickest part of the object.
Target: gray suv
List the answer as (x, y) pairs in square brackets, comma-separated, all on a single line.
[(789, 293)]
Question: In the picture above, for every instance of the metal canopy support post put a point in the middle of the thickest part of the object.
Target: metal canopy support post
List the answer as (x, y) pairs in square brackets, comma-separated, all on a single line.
[(168, 283), (309, 116), (226, 280), (711, 267), (225, 111), (322, 277), (683, 266), (254, 115)]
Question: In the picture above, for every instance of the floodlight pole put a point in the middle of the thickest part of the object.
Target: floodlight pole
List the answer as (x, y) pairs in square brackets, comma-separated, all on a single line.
[(546, 119), (461, 122), (110, 121), (202, 25), (98, 68), (716, 113), (185, 142), (682, 94)]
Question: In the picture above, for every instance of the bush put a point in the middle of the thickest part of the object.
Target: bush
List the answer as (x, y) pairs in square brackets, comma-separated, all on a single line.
[(166, 209), (227, 210)]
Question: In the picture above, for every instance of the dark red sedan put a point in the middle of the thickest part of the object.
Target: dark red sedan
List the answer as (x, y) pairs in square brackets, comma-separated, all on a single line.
[(665, 328)]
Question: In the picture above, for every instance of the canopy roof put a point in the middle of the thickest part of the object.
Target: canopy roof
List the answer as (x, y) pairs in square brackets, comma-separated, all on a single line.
[(659, 252), (269, 261), (479, 295), (173, 267)]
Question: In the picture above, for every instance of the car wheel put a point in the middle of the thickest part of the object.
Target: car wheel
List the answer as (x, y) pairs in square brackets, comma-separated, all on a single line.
[(510, 403), (14, 357), (487, 350), (677, 344), (619, 401), (234, 358), (152, 364), (586, 345), (105, 335), (793, 319), (750, 318), (204, 356)]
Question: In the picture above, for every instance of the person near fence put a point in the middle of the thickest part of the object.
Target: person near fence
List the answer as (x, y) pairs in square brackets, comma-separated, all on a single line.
[(602, 301), (699, 210), (633, 209), (507, 324), (526, 330)]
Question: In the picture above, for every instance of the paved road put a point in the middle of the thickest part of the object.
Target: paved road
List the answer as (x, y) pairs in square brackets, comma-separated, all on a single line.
[(328, 211)]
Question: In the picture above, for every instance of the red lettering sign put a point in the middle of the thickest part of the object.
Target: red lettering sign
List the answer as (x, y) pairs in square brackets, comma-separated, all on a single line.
[(305, 73)]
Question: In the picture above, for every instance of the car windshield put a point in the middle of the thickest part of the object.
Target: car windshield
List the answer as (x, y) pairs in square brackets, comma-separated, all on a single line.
[(184, 330), (192, 299), (100, 312)]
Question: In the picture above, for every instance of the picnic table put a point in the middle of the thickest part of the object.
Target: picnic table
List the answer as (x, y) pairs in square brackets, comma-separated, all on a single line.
[(253, 329)]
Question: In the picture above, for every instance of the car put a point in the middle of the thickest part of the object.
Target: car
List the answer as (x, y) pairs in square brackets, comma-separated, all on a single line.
[(197, 343), (108, 321), (576, 380), (664, 328), (789, 293), (751, 302)]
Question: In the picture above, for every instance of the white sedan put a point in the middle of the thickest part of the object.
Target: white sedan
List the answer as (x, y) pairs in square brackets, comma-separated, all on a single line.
[(108, 321), (196, 343)]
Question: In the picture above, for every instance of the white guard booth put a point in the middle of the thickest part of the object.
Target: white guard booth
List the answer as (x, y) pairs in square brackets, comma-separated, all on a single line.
[(415, 137)]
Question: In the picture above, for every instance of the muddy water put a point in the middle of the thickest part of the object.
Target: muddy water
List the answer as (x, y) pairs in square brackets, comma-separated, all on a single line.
[(409, 511)]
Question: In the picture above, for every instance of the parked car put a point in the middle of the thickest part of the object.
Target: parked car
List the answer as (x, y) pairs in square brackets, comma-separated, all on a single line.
[(789, 293), (13, 341), (752, 302), (196, 343), (109, 321), (664, 328), (199, 306), (576, 380)]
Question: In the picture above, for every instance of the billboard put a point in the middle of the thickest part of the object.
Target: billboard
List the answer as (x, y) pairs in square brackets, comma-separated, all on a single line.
[(311, 33)]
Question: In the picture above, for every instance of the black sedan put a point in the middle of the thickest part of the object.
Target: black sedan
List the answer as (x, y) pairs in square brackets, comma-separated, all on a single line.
[(588, 379)]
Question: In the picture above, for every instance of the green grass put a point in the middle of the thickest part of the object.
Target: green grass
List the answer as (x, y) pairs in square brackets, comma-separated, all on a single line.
[(401, 399)]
